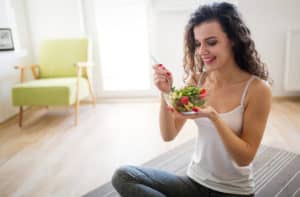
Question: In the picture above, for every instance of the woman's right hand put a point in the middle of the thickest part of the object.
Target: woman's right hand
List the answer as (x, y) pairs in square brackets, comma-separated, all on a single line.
[(163, 79)]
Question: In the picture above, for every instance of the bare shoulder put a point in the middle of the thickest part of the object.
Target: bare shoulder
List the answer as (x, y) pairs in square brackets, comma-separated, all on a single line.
[(259, 93)]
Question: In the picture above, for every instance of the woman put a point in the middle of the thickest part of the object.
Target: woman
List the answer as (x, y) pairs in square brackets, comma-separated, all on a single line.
[(230, 126)]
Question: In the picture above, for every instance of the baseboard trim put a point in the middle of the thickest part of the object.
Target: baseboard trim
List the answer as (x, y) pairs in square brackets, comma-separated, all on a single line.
[(284, 98)]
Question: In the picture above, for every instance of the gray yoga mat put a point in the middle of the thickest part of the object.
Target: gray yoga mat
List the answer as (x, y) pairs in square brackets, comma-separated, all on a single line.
[(276, 172)]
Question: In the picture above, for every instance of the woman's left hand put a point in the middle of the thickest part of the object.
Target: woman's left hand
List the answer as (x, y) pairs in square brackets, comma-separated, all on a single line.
[(203, 112)]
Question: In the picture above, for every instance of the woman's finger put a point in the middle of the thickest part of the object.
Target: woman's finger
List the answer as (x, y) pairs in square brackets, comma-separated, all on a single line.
[(169, 76), (158, 82), (200, 114), (157, 66), (162, 75), (160, 69), (175, 113), (161, 78), (162, 72)]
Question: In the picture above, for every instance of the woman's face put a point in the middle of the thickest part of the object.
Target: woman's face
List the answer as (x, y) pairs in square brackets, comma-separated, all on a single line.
[(212, 45)]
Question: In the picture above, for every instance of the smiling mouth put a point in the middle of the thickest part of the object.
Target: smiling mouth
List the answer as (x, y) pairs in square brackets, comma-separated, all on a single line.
[(208, 60)]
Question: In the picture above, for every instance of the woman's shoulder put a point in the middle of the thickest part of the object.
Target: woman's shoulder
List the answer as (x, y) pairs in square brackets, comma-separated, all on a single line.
[(259, 90), (260, 86)]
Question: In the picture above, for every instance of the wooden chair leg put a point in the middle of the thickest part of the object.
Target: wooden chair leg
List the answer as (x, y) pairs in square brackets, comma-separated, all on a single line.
[(20, 116), (77, 96), (92, 93), (94, 101), (76, 112)]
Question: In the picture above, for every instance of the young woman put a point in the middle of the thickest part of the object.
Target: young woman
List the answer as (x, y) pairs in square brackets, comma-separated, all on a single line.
[(230, 126)]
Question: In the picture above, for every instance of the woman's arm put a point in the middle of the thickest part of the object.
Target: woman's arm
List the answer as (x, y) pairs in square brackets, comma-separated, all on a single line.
[(171, 122), (243, 148), (170, 125)]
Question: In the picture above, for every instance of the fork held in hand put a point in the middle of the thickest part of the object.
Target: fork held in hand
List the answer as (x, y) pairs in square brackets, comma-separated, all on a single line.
[(157, 62)]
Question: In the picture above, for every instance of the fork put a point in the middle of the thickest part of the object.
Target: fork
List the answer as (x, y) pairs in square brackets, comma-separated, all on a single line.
[(157, 62), (165, 95)]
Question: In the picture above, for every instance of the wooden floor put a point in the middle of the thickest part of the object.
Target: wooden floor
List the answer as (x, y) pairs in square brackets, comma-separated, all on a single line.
[(49, 156)]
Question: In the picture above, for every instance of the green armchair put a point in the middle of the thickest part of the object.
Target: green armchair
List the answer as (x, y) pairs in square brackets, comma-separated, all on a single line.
[(62, 77)]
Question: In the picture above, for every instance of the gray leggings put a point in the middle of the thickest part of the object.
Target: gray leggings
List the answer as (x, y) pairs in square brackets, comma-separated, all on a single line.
[(133, 181)]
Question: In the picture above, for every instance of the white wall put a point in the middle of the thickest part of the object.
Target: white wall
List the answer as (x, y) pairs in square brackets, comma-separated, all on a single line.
[(20, 56), (50, 19), (166, 36), (4, 13), (269, 21)]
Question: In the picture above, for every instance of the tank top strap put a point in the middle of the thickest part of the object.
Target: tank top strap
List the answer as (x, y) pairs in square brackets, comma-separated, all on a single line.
[(246, 89)]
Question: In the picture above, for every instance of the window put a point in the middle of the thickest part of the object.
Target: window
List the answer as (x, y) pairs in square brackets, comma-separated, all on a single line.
[(123, 43)]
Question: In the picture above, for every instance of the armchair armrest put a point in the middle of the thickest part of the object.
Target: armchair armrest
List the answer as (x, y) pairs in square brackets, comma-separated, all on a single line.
[(22, 68), (35, 70), (84, 64), (19, 67), (83, 67), (22, 73)]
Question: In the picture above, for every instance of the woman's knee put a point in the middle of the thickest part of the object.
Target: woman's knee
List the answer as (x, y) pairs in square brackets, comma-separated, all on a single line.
[(122, 176)]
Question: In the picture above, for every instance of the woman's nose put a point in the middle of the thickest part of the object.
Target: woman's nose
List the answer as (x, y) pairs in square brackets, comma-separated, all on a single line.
[(202, 50)]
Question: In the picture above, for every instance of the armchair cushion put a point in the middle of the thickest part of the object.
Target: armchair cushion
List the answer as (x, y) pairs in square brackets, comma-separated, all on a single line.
[(58, 57), (55, 91)]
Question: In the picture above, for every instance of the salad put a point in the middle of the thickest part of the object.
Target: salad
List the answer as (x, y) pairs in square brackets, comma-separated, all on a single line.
[(187, 99)]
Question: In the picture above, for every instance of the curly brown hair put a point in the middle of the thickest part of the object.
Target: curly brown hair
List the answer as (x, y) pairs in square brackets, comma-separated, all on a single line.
[(243, 48)]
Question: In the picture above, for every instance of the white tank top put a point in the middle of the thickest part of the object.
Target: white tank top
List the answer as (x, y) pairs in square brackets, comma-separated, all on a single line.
[(211, 164)]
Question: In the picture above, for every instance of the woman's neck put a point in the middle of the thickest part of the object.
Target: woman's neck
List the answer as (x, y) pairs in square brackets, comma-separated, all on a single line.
[(227, 75)]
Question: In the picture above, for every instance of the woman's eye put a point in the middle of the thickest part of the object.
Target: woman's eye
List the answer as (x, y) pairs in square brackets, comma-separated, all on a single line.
[(212, 43), (197, 45)]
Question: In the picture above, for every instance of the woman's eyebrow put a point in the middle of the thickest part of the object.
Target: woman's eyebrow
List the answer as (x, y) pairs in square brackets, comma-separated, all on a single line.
[(208, 38), (211, 37)]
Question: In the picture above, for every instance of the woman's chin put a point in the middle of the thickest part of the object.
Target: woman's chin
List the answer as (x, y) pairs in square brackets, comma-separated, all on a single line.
[(210, 67)]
